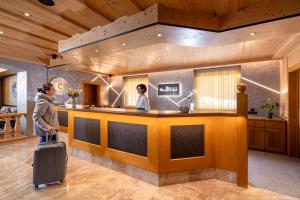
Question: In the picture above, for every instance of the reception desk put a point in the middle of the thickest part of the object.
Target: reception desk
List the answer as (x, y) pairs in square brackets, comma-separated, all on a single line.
[(163, 142)]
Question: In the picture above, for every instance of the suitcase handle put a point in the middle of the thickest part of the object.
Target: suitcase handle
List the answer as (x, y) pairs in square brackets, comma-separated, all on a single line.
[(47, 134)]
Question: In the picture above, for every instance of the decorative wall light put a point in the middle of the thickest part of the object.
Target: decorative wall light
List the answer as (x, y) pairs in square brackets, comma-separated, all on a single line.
[(60, 84), (260, 85)]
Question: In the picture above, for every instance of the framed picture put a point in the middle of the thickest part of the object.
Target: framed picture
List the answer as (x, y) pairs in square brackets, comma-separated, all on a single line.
[(9, 89), (168, 89)]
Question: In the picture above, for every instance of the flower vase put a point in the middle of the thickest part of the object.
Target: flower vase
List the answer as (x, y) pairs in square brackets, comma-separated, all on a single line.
[(270, 115), (73, 102)]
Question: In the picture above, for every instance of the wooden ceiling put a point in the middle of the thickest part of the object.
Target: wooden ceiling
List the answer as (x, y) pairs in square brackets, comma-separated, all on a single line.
[(179, 47), (35, 37), (163, 56)]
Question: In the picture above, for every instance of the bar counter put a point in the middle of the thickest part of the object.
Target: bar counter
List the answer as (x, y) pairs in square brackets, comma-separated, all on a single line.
[(161, 142)]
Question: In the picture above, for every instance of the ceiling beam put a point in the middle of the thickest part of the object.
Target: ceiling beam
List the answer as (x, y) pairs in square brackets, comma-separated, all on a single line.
[(21, 55), (274, 9), (224, 7), (186, 18), (41, 16), (90, 6), (136, 3), (30, 47), (114, 9), (76, 12), (28, 38), (23, 51), (29, 27)]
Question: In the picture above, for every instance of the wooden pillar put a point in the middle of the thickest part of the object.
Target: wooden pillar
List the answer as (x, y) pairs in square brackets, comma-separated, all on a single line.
[(7, 128), (242, 99), (242, 149), (242, 136), (293, 136), (18, 126)]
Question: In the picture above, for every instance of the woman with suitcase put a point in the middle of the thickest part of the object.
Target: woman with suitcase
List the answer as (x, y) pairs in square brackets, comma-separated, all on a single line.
[(50, 157), (45, 115)]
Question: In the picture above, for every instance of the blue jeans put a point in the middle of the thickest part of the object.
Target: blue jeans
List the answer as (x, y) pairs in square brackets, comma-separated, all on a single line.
[(51, 138)]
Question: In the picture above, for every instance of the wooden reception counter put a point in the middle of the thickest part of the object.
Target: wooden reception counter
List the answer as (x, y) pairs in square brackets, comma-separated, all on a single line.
[(162, 142)]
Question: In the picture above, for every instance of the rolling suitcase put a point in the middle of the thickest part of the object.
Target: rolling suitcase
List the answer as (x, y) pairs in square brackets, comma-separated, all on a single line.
[(49, 163)]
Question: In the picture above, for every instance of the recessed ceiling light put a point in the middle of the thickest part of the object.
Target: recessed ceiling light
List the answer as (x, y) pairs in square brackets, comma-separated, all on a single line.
[(27, 14), (159, 35), (1, 32), (96, 51), (253, 33), (124, 44), (188, 37)]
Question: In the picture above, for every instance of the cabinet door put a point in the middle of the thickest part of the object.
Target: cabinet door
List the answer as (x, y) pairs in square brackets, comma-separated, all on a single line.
[(256, 138), (275, 140)]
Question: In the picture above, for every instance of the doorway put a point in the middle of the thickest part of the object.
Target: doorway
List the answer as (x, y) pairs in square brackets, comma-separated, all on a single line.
[(91, 93)]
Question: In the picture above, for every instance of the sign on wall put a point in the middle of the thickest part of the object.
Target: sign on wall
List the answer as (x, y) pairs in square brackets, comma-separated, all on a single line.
[(168, 89)]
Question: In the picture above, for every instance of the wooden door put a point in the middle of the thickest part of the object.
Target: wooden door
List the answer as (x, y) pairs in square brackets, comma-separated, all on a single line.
[(91, 93), (256, 138)]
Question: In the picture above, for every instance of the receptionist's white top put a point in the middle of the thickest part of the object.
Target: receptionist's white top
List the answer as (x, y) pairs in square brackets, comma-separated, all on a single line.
[(142, 102)]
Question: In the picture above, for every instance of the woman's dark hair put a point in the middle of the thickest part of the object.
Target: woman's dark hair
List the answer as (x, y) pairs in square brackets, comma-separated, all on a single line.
[(45, 87), (143, 87)]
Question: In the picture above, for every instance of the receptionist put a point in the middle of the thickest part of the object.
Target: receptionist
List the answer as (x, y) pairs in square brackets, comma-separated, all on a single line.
[(142, 102)]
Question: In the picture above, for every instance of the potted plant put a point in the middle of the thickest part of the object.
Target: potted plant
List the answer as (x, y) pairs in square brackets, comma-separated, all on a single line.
[(73, 93), (270, 107)]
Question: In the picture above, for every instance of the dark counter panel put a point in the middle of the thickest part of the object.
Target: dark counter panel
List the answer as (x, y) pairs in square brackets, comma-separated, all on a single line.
[(187, 141), (87, 130), (63, 118), (130, 138)]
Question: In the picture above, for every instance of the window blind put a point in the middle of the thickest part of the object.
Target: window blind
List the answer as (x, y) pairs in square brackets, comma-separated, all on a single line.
[(216, 89), (130, 93)]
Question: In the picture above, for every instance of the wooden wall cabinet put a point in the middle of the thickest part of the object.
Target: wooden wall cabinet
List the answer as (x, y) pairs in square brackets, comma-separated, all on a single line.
[(267, 134)]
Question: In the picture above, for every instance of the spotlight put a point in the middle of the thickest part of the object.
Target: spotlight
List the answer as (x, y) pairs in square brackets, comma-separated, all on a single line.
[(47, 2), (54, 56), (27, 14)]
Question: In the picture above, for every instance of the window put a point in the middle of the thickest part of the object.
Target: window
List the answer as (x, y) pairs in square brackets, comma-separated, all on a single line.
[(131, 94), (216, 88)]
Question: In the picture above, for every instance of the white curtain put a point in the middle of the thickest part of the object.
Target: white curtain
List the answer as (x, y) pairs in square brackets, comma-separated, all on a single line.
[(216, 88), (130, 93), (283, 88)]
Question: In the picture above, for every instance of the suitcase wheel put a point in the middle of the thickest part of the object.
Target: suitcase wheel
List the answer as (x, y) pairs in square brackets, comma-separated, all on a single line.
[(35, 187)]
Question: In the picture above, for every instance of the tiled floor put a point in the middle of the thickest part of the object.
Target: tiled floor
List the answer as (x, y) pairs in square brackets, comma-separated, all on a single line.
[(90, 181), (275, 172)]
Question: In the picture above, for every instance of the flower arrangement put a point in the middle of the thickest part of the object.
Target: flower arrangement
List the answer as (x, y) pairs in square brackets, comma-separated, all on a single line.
[(73, 93), (270, 107)]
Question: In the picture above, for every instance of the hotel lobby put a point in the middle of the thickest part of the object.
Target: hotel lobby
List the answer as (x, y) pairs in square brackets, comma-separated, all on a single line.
[(144, 99)]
